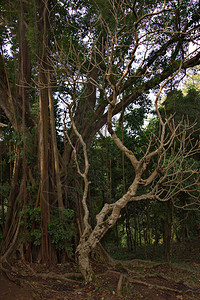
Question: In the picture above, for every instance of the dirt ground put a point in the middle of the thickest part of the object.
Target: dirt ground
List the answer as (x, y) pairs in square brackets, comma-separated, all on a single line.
[(135, 279)]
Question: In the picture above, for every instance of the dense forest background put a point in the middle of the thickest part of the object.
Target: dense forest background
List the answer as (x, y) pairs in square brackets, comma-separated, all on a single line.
[(99, 147)]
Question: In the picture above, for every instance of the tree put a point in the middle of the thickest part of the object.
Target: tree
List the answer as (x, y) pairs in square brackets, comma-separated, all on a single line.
[(168, 170), (184, 104), (99, 61), (192, 80), (129, 29), (20, 97), (119, 68)]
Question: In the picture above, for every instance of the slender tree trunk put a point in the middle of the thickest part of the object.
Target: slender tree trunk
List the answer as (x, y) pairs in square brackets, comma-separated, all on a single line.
[(145, 241), (135, 234), (55, 150), (167, 238), (44, 148), (44, 166), (1, 191), (128, 232), (24, 80)]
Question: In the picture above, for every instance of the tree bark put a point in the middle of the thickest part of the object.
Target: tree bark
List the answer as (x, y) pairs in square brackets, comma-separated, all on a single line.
[(55, 150), (43, 135)]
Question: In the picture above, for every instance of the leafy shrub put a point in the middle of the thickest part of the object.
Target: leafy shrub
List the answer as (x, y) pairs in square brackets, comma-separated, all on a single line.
[(33, 216), (61, 230), (36, 236)]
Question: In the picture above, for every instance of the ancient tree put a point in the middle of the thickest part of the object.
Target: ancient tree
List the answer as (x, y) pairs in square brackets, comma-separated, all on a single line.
[(121, 73)]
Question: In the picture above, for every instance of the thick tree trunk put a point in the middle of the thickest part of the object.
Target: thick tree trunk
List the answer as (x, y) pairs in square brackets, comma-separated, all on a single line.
[(83, 257), (91, 238), (44, 133), (13, 204), (17, 106)]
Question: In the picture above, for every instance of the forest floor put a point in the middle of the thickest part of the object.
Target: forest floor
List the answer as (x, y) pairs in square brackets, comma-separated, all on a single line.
[(133, 279)]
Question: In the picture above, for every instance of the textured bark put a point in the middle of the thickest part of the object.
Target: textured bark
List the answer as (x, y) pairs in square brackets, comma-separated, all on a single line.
[(43, 136), (55, 151), (44, 174), (106, 219), (15, 103), (14, 206)]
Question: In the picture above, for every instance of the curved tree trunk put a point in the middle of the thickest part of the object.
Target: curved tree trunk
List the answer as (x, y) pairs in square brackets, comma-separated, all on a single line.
[(106, 219)]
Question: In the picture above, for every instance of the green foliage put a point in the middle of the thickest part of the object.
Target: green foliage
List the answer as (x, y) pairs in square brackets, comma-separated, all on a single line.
[(183, 106), (32, 215), (61, 230), (5, 189), (35, 110), (31, 218), (14, 140), (36, 237), (192, 80), (60, 227)]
